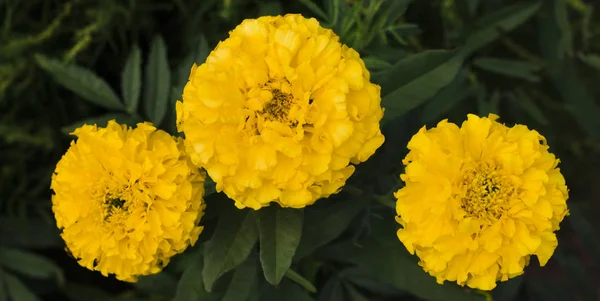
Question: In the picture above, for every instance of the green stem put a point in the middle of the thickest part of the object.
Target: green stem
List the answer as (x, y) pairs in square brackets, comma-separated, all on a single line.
[(294, 276)]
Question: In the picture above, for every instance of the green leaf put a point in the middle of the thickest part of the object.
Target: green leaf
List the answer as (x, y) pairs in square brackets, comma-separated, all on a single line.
[(81, 81), (591, 60), (333, 290), (314, 8), (529, 105), (30, 264), (280, 231), (29, 233), (447, 98), (102, 121), (374, 63), (579, 101), (585, 230), (322, 225), (391, 263), (300, 280), (17, 291), (157, 82), (3, 288), (131, 79), (511, 68), (418, 78), (353, 293), (269, 8), (492, 26), (234, 237), (161, 284), (333, 11), (486, 106), (287, 291), (245, 279), (358, 278), (190, 286)]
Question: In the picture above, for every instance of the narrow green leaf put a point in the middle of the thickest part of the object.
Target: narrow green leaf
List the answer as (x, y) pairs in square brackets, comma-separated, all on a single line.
[(81, 81), (492, 26), (17, 291), (561, 16), (374, 63), (280, 231), (429, 72), (190, 286), (314, 8), (322, 225), (409, 68), (585, 230), (333, 290), (591, 60), (521, 99), (161, 284), (3, 288), (447, 98), (292, 275), (511, 68), (269, 8), (234, 237), (405, 29), (30, 264), (30, 233), (287, 291), (102, 121), (157, 82), (487, 105), (579, 101), (131, 79), (391, 263), (357, 277), (245, 279), (353, 293), (333, 11)]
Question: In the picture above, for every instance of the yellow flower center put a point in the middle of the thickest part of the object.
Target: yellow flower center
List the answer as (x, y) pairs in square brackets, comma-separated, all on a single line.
[(272, 101), (486, 192), (278, 107)]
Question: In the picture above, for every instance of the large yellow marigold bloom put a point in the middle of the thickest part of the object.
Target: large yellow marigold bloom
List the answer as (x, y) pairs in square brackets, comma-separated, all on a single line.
[(127, 200), (278, 112), (479, 200)]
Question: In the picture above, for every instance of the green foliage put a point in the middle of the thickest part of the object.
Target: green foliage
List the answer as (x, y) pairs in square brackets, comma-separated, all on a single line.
[(66, 63)]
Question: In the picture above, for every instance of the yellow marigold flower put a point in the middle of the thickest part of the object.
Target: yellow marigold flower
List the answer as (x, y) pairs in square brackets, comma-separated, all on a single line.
[(278, 112), (127, 200), (480, 200)]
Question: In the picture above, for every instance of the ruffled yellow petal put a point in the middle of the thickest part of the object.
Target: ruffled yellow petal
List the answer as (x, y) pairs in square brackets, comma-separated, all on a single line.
[(127, 200), (279, 111), (479, 200)]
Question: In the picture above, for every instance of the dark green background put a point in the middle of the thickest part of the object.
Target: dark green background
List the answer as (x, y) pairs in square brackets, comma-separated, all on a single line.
[(63, 63)]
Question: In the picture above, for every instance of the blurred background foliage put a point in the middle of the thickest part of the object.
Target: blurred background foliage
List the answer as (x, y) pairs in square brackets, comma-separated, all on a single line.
[(63, 63)]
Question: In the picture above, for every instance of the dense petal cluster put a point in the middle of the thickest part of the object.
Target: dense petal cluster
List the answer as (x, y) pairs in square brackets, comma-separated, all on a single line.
[(278, 112), (480, 200), (126, 199)]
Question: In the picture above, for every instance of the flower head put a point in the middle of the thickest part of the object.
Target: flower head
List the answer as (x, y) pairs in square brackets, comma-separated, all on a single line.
[(278, 112), (127, 200), (480, 200)]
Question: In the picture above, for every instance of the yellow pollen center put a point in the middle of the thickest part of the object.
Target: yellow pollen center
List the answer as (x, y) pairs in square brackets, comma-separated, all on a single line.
[(486, 193), (278, 107)]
